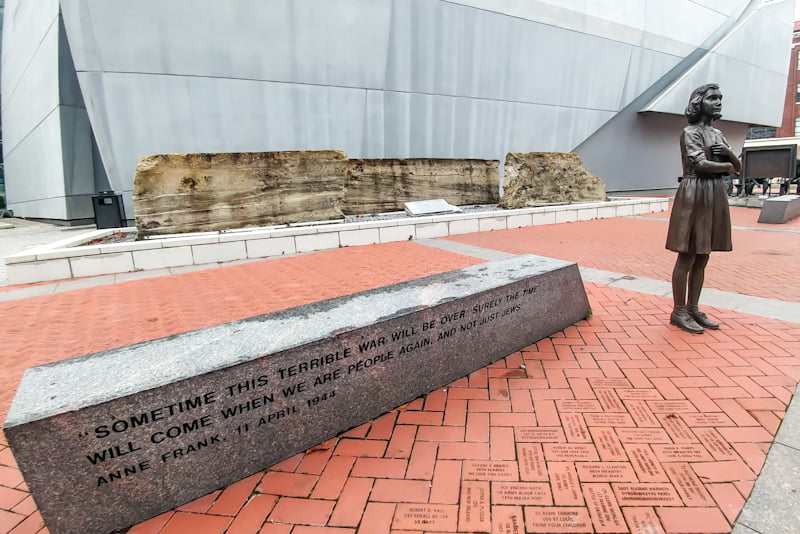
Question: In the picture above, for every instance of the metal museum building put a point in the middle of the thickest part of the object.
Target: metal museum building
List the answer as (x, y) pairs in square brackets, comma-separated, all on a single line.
[(90, 86)]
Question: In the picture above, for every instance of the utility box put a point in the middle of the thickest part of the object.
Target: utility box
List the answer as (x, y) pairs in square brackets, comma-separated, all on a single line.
[(108, 210)]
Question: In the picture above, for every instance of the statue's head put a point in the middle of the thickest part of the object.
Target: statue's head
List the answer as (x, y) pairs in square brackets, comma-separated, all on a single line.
[(695, 109)]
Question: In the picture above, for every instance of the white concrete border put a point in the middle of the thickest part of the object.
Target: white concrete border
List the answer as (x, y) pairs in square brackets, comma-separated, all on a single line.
[(71, 258)]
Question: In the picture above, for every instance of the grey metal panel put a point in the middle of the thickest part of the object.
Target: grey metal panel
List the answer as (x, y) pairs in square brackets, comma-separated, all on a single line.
[(646, 67), (91, 84), (639, 151), (35, 94), (754, 92), (76, 149), (674, 27), (34, 173), (80, 34), (401, 125), (68, 88), (26, 24), (771, 54), (725, 7), (309, 41), (621, 20), (679, 27), (750, 103), (440, 48), (153, 114)]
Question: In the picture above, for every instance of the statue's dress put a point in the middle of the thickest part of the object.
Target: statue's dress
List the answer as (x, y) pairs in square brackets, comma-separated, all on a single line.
[(700, 221)]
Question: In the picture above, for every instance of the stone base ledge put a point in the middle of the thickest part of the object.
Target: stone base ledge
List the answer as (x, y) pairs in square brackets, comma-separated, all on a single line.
[(71, 258)]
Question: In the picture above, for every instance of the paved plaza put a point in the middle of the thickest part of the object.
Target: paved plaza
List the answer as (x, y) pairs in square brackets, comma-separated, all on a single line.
[(620, 423)]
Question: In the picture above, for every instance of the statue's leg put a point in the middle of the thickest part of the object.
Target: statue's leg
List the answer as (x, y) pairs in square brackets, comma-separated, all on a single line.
[(680, 277), (697, 276), (680, 316)]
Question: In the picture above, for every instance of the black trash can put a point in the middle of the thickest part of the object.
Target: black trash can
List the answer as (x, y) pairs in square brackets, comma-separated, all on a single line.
[(108, 210)]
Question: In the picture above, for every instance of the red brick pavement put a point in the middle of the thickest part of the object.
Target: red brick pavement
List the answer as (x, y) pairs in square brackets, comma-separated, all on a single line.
[(63, 325), (760, 264), (620, 423)]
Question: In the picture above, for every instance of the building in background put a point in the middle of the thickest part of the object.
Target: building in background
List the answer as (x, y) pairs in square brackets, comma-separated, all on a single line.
[(790, 124), (90, 86)]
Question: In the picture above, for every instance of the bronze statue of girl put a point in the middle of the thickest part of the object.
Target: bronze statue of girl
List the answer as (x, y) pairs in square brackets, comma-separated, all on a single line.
[(700, 221)]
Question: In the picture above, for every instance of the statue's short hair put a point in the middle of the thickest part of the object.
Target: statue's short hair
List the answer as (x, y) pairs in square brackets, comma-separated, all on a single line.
[(694, 108)]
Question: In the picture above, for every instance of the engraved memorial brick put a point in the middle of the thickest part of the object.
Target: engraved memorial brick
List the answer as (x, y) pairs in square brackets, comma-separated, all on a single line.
[(564, 483), (677, 429), (507, 520), (647, 494), (430, 517), (687, 452), (641, 413), (645, 463), (570, 452), (573, 405), (606, 472), (689, 487), (707, 419), (671, 406), (609, 383), (110, 439), (473, 512), (539, 434), (643, 435), (532, 467), (642, 520), (548, 520), (608, 419), (719, 448), (490, 470), (609, 447), (521, 493), (603, 508), (639, 394), (609, 400), (574, 428)]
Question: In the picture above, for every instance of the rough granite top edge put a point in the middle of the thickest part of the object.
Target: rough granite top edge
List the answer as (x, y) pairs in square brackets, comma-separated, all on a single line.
[(77, 383)]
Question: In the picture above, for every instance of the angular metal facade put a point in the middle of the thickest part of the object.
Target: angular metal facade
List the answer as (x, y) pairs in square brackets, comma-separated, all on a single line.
[(90, 86)]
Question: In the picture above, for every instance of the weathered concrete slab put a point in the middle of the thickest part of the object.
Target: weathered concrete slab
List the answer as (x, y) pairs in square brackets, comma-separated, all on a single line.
[(779, 210), (109, 439), (382, 185), (179, 193), (548, 177)]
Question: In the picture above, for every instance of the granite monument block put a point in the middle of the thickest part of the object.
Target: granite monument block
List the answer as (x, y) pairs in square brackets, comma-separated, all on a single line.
[(779, 210), (110, 439)]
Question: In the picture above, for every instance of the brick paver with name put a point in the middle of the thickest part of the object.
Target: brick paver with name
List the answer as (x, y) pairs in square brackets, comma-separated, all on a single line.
[(620, 423)]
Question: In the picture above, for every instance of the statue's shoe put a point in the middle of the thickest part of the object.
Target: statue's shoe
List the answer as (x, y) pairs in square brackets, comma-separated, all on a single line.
[(684, 321), (702, 319)]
